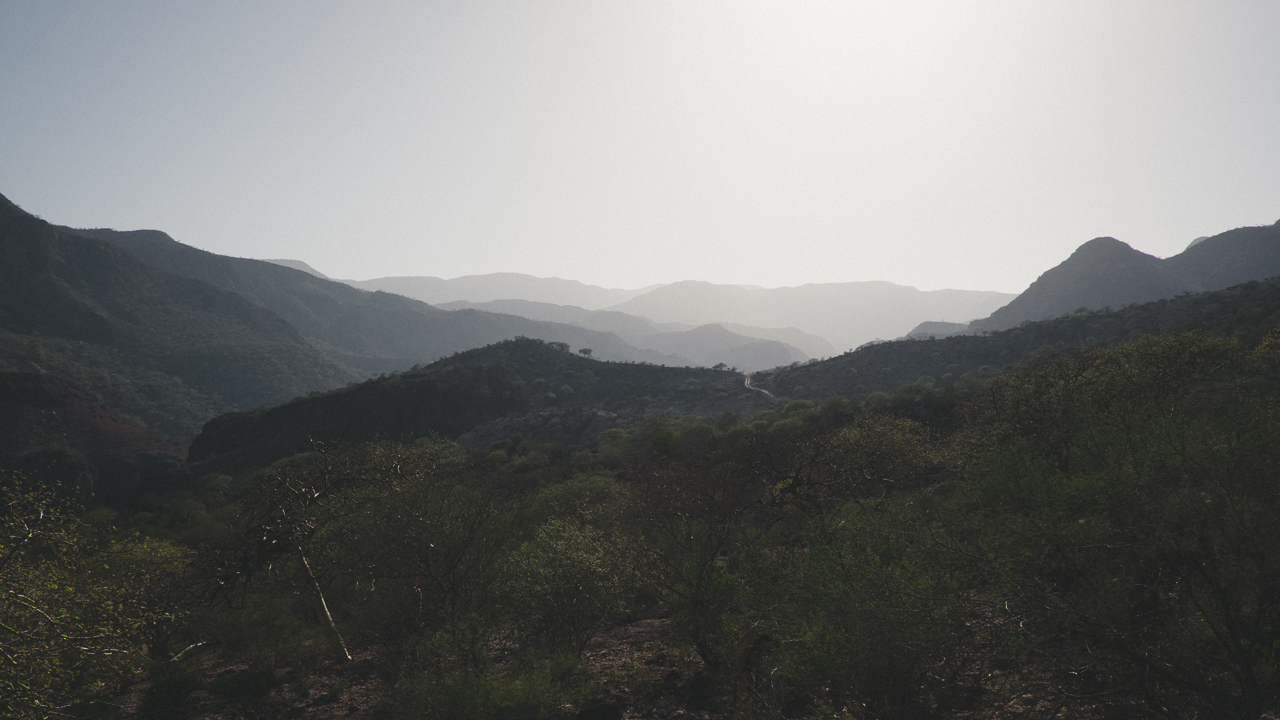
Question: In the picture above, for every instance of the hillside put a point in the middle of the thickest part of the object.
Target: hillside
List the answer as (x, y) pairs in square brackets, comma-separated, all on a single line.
[(56, 432), (297, 265), (564, 394), (1103, 272), (123, 328), (1231, 258), (373, 332), (1245, 313)]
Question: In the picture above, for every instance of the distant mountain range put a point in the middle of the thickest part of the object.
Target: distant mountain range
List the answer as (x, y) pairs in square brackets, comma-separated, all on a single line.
[(171, 335), (820, 319), (635, 330), (1105, 272), (371, 332), (846, 314), (501, 286), (1244, 312), (530, 389)]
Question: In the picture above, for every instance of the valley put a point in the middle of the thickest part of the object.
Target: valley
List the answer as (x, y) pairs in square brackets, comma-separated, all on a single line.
[(238, 488)]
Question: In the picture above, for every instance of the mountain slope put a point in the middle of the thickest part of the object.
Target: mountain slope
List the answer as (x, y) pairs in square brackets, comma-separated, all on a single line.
[(523, 381), (712, 344), (1245, 312), (57, 432), (91, 299), (1103, 272), (1231, 258), (297, 265), (371, 331)]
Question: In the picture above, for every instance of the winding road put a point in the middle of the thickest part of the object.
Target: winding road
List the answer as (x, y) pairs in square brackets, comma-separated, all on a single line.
[(746, 380)]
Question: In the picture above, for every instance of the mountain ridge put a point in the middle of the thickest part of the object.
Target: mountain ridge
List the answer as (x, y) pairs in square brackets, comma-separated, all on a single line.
[(1105, 272)]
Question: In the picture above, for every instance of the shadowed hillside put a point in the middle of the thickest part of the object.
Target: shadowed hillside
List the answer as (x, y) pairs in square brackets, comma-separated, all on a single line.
[(1106, 273), (1103, 272), (56, 432), (1232, 257), (371, 331), (453, 396), (98, 315), (1245, 313)]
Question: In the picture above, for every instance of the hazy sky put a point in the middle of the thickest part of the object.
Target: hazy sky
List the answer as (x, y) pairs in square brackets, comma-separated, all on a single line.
[(629, 142)]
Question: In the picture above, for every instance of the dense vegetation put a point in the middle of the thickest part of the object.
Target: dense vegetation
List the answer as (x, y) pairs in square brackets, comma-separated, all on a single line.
[(1244, 312), (526, 387), (1091, 534)]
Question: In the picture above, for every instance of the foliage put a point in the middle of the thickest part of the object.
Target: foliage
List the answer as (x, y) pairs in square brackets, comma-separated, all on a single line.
[(76, 615), (1090, 534)]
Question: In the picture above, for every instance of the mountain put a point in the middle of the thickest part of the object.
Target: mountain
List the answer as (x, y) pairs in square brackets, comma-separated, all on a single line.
[(533, 310), (172, 349), (808, 343), (846, 314), (1232, 257), (638, 330), (523, 386), (1245, 312), (373, 332), (500, 286), (53, 430), (710, 345), (298, 265), (932, 329), (1103, 272)]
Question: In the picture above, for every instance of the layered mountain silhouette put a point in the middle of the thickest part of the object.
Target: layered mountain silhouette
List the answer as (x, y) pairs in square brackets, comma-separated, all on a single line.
[(124, 328), (1105, 272), (372, 332), (297, 265), (846, 314), (500, 286), (704, 348), (1245, 312), (711, 345), (525, 386), (1232, 257)]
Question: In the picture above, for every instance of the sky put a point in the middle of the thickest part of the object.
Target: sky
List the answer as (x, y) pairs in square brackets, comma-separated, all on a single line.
[(963, 145)]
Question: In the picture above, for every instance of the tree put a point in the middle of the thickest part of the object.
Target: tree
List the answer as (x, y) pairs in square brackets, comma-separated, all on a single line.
[(585, 352), (1125, 501), (71, 627)]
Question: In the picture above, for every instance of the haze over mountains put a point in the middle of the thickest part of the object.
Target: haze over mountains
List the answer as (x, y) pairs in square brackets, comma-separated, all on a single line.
[(370, 331), (634, 329), (501, 286), (172, 335), (843, 315), (1106, 272)]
